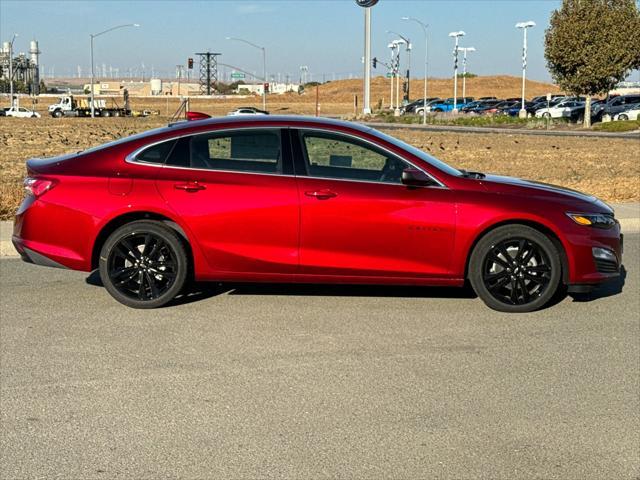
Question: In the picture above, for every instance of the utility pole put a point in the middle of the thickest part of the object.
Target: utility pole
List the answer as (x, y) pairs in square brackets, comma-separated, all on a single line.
[(11, 69), (367, 4)]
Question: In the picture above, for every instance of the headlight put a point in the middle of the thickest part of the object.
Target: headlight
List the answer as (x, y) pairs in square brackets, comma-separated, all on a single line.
[(596, 220)]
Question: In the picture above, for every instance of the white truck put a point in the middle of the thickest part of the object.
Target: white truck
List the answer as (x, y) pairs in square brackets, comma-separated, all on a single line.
[(69, 106)]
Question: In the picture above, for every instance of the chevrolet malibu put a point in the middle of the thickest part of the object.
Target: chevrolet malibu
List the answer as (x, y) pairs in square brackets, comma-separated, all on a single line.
[(307, 200)]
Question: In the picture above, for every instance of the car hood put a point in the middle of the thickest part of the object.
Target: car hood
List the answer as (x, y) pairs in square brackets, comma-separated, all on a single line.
[(517, 186)]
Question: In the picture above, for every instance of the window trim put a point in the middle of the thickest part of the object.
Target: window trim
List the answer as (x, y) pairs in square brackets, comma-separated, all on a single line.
[(287, 161), (305, 162)]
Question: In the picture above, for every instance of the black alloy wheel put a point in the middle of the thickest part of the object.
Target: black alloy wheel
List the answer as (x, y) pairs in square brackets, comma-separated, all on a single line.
[(143, 264), (515, 268)]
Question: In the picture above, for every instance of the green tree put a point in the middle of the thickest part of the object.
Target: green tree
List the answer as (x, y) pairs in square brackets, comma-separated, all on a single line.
[(591, 45)]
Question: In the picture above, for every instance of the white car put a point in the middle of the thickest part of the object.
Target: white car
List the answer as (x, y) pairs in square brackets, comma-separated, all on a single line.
[(562, 109), (246, 111), (21, 112), (632, 114)]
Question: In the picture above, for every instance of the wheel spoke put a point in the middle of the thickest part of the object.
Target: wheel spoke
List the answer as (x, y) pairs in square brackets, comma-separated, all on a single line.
[(147, 240), (522, 244), (152, 285), (539, 269), (142, 291), (499, 284), (493, 256), (127, 279), (132, 249), (523, 289), (125, 254), (538, 279), (514, 292)]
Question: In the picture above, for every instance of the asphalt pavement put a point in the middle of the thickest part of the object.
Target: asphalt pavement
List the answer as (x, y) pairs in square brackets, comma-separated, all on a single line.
[(316, 382)]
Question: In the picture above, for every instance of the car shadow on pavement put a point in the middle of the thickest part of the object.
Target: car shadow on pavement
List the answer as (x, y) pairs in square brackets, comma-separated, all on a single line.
[(608, 289), (202, 290)]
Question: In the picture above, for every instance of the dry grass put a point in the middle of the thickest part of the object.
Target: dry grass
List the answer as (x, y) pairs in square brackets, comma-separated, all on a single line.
[(607, 168)]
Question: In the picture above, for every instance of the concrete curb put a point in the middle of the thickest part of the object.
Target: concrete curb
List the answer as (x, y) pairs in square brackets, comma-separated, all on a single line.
[(628, 215)]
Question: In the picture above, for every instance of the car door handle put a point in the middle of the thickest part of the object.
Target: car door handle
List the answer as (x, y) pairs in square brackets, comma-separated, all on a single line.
[(323, 194), (190, 186)]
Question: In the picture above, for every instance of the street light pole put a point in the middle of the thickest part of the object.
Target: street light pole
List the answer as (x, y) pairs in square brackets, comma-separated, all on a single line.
[(426, 65), (464, 69), (524, 26), (408, 47), (457, 36), (264, 66), (94, 35)]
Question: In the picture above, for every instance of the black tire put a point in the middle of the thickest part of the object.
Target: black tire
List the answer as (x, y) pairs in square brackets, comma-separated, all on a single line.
[(105, 113), (143, 264), (515, 269), (57, 113), (546, 115), (116, 113), (623, 116)]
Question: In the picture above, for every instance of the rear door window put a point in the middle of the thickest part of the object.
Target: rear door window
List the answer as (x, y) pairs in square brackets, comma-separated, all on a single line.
[(256, 151)]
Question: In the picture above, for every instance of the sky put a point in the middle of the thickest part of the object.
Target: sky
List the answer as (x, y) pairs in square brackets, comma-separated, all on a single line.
[(325, 35)]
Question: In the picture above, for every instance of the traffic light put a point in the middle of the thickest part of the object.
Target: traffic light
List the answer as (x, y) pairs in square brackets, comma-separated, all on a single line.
[(375, 62), (190, 63), (266, 88)]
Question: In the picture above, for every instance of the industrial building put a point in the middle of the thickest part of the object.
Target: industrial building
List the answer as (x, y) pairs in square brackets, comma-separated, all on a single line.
[(25, 68)]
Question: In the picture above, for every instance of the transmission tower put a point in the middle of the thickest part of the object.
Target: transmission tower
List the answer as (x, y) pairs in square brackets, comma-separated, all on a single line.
[(208, 72)]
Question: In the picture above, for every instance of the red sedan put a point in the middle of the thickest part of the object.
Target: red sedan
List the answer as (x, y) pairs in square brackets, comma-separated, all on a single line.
[(295, 199)]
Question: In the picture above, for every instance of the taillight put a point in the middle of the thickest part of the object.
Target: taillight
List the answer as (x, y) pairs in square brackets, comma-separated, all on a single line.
[(37, 186)]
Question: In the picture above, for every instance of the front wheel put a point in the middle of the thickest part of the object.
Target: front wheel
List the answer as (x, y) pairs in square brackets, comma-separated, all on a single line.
[(143, 264), (546, 115), (623, 116), (515, 268)]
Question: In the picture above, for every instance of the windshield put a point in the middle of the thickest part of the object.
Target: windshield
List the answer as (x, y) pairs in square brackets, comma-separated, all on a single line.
[(439, 164)]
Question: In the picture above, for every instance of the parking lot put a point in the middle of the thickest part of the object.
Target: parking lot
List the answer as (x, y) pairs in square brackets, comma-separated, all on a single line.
[(315, 382)]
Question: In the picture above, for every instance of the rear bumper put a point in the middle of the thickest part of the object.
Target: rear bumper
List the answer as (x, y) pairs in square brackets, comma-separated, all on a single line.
[(31, 256)]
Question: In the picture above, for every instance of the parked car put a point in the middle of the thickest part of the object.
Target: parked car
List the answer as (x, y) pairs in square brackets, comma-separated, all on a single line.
[(488, 98), (3, 111), (479, 105), (419, 108), (560, 110), (514, 110), (448, 104), (543, 98), (630, 114), (497, 108), (411, 107), (305, 199), (615, 105), (20, 112), (247, 111)]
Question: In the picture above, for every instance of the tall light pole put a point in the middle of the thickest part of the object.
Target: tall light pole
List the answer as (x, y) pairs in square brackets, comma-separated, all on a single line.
[(264, 67), (11, 69), (457, 36), (524, 26), (426, 64), (408, 47), (367, 4), (464, 68), (94, 35)]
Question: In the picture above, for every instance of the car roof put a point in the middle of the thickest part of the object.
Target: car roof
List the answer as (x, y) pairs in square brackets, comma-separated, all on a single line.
[(261, 119)]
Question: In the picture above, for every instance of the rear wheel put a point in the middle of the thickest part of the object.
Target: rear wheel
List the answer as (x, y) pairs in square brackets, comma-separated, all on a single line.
[(106, 113), (546, 115), (515, 268), (623, 116), (143, 264)]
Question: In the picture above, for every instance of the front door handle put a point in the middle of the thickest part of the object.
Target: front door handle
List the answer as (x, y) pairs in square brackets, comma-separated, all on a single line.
[(323, 194), (190, 186)]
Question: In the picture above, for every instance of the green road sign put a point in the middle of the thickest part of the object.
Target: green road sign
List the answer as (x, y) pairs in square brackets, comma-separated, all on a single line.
[(237, 75)]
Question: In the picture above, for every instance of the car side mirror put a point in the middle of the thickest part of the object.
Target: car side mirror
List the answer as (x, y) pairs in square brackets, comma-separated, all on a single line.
[(412, 177)]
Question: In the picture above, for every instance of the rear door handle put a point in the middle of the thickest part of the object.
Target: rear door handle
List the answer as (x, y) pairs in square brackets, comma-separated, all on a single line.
[(190, 186), (323, 194)]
